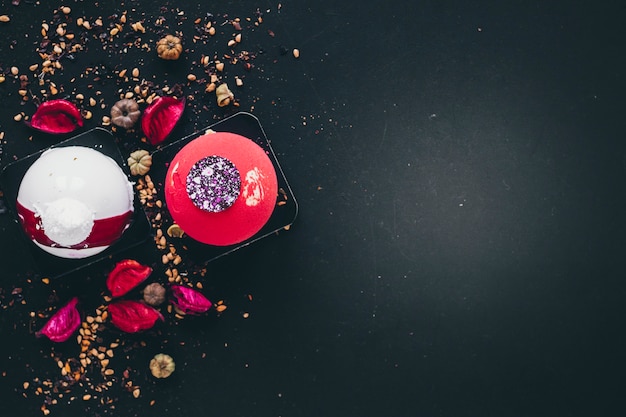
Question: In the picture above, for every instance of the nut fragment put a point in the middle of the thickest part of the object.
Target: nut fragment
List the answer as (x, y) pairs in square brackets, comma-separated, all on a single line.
[(296, 53)]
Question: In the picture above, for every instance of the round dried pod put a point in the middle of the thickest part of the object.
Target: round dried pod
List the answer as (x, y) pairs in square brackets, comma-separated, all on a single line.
[(169, 47), (175, 231), (140, 162), (162, 365), (125, 113), (224, 95), (154, 294)]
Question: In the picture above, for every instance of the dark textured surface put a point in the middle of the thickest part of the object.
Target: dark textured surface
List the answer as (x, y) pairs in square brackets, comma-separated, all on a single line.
[(460, 244)]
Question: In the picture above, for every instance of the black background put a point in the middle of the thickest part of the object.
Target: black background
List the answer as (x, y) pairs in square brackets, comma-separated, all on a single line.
[(459, 249)]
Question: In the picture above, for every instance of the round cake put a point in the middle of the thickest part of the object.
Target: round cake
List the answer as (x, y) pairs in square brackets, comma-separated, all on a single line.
[(74, 202), (221, 188)]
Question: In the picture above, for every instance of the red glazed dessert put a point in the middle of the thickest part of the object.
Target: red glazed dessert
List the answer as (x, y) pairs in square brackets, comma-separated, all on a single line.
[(221, 188)]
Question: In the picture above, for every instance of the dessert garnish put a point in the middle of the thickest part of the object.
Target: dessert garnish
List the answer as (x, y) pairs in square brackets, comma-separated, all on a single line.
[(154, 294), (132, 316), (213, 183), (169, 47), (162, 365), (63, 323), (126, 275), (57, 117), (189, 301), (139, 162), (160, 117), (125, 113), (224, 95)]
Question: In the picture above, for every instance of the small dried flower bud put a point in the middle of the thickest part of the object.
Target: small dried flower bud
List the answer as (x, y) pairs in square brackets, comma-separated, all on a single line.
[(162, 365), (154, 294), (190, 301), (140, 162)]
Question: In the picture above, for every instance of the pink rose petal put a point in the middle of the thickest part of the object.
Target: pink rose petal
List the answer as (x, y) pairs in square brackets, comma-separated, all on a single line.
[(63, 323)]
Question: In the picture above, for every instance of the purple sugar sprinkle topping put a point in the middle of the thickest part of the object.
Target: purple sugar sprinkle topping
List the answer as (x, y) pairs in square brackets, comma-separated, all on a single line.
[(213, 183)]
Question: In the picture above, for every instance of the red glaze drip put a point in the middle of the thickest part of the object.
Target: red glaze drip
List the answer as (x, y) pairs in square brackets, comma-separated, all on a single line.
[(104, 231)]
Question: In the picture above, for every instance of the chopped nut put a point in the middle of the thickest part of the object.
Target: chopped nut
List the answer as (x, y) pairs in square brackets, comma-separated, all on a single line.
[(296, 53)]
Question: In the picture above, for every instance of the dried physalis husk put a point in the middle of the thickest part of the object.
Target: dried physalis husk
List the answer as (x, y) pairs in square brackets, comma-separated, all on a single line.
[(162, 365), (224, 95), (140, 162), (63, 323)]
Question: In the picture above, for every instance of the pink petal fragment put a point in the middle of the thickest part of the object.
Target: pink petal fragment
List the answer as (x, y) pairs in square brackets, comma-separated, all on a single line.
[(160, 118), (190, 301), (56, 117), (126, 275), (133, 316), (63, 323)]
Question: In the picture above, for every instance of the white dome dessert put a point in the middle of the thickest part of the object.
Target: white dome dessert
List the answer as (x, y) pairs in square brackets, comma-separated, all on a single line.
[(74, 202)]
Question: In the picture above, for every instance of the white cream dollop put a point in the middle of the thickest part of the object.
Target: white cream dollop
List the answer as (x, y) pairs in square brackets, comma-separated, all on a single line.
[(67, 221)]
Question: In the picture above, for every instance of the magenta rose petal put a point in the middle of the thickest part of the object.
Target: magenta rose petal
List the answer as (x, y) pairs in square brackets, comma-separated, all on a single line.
[(125, 276), (63, 323), (133, 316), (56, 117), (160, 118), (190, 301)]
